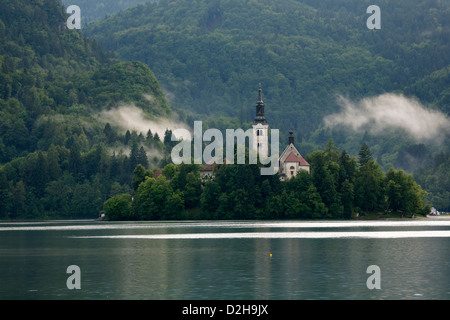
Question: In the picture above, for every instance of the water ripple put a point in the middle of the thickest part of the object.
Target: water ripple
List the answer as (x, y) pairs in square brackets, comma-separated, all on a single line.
[(282, 235)]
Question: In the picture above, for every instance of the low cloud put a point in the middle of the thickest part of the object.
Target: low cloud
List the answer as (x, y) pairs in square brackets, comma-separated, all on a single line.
[(130, 117), (391, 112)]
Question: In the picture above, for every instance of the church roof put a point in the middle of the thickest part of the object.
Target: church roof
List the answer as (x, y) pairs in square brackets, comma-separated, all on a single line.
[(207, 167), (292, 157), (157, 173)]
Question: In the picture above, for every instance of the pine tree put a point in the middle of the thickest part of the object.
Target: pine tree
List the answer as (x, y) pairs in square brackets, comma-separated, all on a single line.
[(364, 154), (142, 157), (109, 133), (127, 137), (167, 137), (369, 186), (134, 156), (149, 135)]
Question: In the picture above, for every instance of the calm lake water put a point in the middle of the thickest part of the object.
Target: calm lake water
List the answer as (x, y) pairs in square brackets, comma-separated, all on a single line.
[(226, 259)]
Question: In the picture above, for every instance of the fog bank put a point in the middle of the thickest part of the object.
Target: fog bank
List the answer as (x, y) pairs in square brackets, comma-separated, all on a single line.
[(391, 112), (130, 117)]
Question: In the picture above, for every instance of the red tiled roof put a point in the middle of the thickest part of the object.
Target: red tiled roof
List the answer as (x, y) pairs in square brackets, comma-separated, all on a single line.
[(207, 167), (303, 162), (294, 158), (157, 173)]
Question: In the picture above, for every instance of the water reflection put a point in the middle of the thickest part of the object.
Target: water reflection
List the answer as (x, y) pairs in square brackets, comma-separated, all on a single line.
[(229, 260), (283, 235)]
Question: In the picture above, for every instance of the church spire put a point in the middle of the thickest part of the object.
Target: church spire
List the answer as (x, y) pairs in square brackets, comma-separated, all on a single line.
[(260, 117), (291, 136), (260, 94)]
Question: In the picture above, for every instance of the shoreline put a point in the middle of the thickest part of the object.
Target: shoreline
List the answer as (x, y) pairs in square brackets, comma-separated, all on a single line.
[(441, 217)]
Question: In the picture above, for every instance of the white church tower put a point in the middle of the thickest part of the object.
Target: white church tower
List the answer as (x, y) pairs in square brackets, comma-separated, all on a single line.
[(260, 128)]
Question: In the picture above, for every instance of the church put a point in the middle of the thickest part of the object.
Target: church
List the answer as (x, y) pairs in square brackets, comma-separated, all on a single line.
[(290, 161)]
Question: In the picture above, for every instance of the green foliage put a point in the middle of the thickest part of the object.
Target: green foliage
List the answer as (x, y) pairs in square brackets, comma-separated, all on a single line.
[(118, 207), (97, 10), (209, 55), (57, 158), (337, 188), (139, 176), (435, 179), (364, 154), (156, 200), (369, 187), (210, 199), (124, 82)]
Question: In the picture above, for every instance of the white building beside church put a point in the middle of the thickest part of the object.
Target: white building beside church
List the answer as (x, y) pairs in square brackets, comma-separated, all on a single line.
[(291, 161)]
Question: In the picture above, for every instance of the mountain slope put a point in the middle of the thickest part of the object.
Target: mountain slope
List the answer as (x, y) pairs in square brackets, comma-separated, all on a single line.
[(57, 155), (99, 9), (210, 55), (310, 56)]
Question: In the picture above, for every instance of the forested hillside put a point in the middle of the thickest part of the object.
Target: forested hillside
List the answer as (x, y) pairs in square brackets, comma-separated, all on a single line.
[(100, 9), (76, 122), (211, 54), (209, 57), (57, 157)]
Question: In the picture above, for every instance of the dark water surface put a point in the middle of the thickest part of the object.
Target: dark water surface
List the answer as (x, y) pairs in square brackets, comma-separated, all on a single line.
[(226, 259)]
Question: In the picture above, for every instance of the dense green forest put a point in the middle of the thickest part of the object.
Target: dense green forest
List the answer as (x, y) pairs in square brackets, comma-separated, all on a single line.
[(58, 159), (100, 9), (210, 55), (339, 187)]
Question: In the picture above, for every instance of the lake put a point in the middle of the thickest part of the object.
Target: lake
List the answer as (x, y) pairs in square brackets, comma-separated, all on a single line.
[(217, 260)]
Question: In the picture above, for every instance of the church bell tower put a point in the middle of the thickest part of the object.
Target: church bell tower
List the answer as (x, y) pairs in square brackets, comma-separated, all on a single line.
[(260, 128)]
